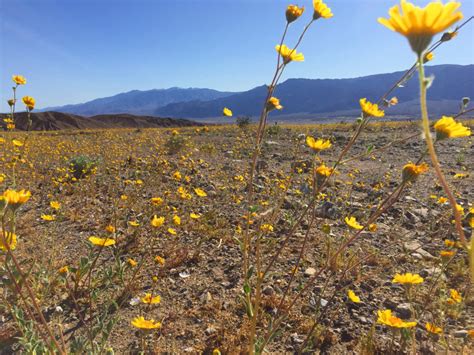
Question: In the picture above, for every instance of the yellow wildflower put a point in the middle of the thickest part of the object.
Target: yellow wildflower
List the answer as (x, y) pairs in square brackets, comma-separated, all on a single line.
[(29, 102), (16, 198), (160, 260), (433, 328), (447, 127), (407, 279), (17, 143), (9, 238), (455, 297), (63, 270), (149, 299), (323, 170), (172, 231), (321, 10), (19, 79), (318, 145), (142, 323), (156, 201), (352, 222), (293, 12), (176, 220), (227, 112), (411, 171), (447, 253), (102, 242), (110, 229), (273, 103), (288, 54), (200, 192), (157, 221), (385, 317), (55, 205), (267, 228), (419, 25), (132, 262), (194, 215), (353, 297), (47, 217), (370, 109)]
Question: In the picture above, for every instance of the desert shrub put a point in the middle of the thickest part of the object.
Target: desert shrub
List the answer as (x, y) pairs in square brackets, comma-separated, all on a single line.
[(175, 144), (242, 122), (82, 165)]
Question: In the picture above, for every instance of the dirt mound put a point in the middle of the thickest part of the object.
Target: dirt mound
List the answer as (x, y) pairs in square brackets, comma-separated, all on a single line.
[(53, 121)]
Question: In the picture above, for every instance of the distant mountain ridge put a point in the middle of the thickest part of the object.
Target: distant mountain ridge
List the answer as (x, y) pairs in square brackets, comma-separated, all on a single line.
[(138, 102), (309, 98)]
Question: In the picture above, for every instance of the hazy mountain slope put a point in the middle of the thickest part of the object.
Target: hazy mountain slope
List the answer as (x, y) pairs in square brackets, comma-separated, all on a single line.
[(332, 96), (139, 102)]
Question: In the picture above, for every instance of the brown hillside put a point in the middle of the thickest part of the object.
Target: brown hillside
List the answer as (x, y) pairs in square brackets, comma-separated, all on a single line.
[(52, 121)]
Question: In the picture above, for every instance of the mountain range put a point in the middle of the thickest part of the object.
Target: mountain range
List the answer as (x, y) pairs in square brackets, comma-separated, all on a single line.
[(304, 99)]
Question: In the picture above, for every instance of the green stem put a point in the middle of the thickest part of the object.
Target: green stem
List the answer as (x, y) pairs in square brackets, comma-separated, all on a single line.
[(435, 162)]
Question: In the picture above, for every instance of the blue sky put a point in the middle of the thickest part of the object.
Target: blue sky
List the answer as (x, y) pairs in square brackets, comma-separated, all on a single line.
[(73, 51)]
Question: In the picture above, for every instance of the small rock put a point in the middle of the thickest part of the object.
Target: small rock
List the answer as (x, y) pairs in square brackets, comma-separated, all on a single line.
[(324, 302), (404, 310), (268, 290), (210, 330), (460, 333), (311, 271)]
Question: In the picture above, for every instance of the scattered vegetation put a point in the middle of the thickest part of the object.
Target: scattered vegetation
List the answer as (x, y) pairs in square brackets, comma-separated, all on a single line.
[(339, 237)]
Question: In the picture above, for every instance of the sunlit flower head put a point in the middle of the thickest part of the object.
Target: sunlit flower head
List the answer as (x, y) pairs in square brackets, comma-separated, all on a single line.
[(447, 127), (407, 279), (352, 222), (16, 198), (227, 112), (288, 54), (157, 221), (293, 12), (148, 298), (9, 238), (323, 170), (273, 103), (29, 102), (419, 25), (142, 323), (454, 296), (267, 228), (433, 328), (55, 205), (353, 297), (102, 242), (318, 144), (428, 57), (385, 317), (19, 79), (411, 171), (47, 217), (321, 10), (370, 109), (200, 192)]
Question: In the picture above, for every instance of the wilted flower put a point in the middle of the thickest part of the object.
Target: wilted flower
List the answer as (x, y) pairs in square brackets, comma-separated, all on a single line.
[(411, 171), (273, 103), (293, 12), (419, 25)]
